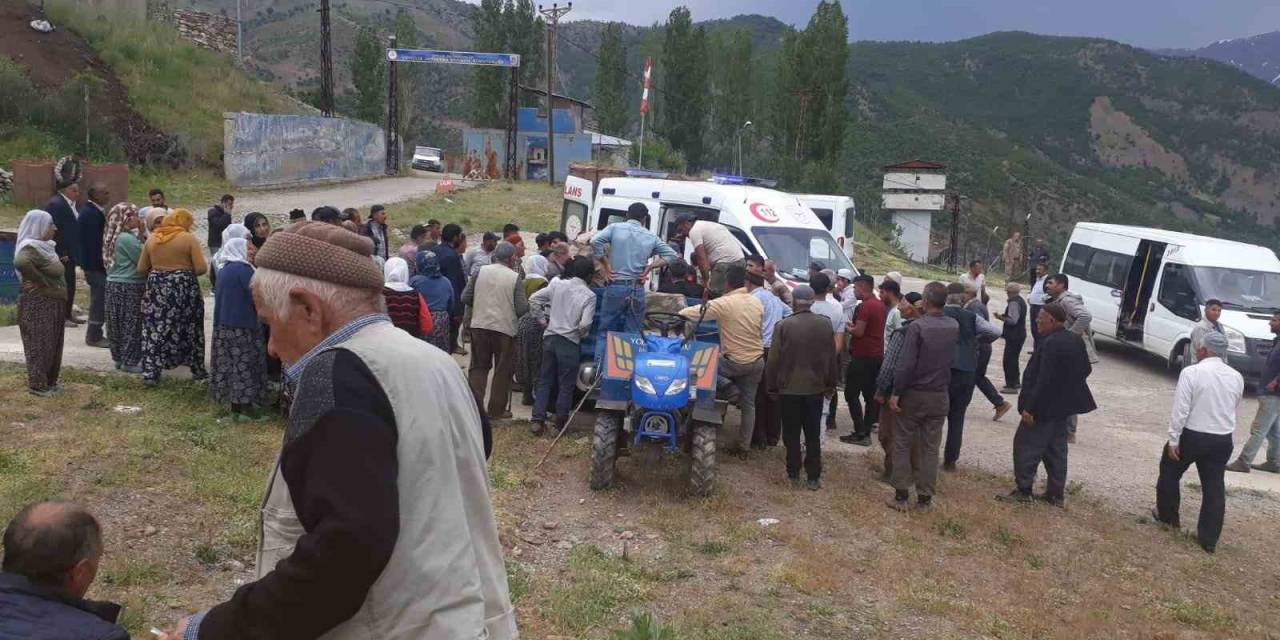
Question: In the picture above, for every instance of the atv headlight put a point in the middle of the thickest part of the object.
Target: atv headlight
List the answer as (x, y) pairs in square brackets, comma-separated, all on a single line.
[(645, 385), (677, 386), (1235, 340)]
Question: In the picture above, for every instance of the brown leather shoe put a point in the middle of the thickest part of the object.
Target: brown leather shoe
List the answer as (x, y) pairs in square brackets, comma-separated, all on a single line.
[(1239, 466), (1001, 410)]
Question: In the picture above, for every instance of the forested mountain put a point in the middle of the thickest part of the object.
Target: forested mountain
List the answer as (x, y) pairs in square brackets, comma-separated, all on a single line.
[(1257, 55)]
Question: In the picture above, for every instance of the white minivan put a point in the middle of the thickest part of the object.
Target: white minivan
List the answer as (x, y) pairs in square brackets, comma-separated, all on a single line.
[(766, 222), (837, 214), (1147, 287)]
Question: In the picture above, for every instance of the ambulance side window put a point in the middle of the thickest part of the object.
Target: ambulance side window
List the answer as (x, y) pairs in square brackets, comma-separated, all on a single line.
[(610, 216), (744, 240)]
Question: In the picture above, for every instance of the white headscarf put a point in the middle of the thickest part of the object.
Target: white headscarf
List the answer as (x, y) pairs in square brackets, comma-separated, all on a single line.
[(235, 231), (233, 250), (31, 231), (396, 272)]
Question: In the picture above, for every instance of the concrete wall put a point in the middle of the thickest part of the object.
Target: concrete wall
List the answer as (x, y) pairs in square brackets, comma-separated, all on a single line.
[(915, 226), (279, 150), (485, 152)]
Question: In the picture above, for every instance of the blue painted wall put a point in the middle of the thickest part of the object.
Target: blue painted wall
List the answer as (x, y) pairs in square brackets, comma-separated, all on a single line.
[(274, 150), (487, 149)]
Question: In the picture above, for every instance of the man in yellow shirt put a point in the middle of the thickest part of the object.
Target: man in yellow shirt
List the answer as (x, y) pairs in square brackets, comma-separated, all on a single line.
[(741, 317)]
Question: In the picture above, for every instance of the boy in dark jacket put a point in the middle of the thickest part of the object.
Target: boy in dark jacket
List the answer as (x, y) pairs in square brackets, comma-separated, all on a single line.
[(1054, 390), (51, 556)]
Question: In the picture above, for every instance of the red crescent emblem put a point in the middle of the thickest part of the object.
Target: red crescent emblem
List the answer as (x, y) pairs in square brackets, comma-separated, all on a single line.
[(764, 212)]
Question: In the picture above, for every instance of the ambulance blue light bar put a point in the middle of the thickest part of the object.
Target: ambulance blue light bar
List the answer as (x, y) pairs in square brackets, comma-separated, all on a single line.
[(722, 178), (635, 172)]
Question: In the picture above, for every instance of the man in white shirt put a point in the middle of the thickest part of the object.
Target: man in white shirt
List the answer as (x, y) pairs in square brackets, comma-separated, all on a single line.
[(714, 249), (976, 280), (1037, 299), (1204, 418), (824, 304)]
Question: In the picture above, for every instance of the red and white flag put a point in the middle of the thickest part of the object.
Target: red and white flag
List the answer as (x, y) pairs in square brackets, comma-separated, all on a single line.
[(648, 75)]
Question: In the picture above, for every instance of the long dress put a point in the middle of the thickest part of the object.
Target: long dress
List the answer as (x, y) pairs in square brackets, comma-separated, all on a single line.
[(40, 317), (173, 324)]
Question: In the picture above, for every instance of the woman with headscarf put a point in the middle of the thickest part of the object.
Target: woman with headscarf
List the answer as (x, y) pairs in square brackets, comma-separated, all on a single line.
[(238, 360), (407, 308), (259, 230), (235, 230), (42, 301), (153, 216), (437, 291), (125, 287), (172, 307)]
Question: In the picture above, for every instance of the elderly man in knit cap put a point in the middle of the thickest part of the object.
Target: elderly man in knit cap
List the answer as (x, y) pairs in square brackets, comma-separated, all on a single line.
[(377, 521), (497, 300)]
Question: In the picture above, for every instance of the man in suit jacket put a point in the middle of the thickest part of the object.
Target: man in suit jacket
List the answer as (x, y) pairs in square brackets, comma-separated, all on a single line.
[(62, 206), (1054, 390), (92, 226)]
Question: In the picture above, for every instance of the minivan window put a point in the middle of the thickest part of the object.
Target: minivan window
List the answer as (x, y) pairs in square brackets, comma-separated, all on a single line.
[(1242, 289), (1097, 266), (792, 250), (848, 221), (610, 216), (827, 216), (1077, 260), (1177, 293)]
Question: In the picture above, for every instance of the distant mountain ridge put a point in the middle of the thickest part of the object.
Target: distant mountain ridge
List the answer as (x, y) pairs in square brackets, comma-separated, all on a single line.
[(1256, 55)]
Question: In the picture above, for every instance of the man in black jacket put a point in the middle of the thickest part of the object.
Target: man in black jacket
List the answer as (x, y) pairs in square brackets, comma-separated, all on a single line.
[(62, 206), (51, 556), (1015, 335), (1054, 389), (93, 224), (219, 220)]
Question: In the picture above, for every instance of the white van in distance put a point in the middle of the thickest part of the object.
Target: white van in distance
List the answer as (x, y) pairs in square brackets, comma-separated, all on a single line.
[(1147, 288), (766, 222), (837, 214)]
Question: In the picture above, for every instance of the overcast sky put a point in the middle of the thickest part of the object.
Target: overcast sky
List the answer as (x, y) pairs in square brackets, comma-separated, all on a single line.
[(1146, 23)]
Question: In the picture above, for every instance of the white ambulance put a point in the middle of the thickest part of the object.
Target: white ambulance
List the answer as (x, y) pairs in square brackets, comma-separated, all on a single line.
[(1148, 287), (766, 222)]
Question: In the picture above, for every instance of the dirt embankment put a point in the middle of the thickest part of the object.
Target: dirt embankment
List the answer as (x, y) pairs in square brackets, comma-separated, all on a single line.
[(51, 60)]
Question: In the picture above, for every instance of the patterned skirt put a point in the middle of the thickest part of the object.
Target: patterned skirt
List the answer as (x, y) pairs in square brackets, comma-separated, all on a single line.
[(238, 364), (440, 330), (172, 324), (40, 321), (528, 353), (124, 321)]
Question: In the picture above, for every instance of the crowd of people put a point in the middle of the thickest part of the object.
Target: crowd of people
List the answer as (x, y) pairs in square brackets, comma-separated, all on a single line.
[(377, 520)]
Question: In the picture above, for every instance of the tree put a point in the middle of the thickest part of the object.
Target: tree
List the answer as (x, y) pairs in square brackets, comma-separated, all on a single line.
[(611, 82), (488, 89), (684, 85), (733, 81), (408, 76), (526, 36), (369, 74)]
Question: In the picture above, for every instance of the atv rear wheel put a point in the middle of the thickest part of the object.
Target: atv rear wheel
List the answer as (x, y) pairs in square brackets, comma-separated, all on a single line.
[(604, 449), (702, 455)]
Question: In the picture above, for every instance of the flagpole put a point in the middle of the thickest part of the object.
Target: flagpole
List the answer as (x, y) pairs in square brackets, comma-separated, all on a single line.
[(641, 139)]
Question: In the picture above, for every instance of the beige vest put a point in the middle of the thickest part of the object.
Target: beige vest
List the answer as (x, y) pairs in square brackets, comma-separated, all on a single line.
[(445, 579), (495, 302)]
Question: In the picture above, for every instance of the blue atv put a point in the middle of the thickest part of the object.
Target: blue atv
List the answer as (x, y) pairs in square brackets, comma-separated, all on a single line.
[(662, 390)]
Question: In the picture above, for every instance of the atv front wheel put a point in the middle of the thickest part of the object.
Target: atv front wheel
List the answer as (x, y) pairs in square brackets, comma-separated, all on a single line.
[(702, 466), (604, 449)]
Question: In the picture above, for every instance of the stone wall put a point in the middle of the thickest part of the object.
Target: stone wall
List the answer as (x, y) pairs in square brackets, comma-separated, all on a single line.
[(208, 30), (285, 150)]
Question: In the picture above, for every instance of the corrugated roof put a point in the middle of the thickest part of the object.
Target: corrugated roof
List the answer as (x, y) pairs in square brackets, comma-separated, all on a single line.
[(605, 140), (916, 164)]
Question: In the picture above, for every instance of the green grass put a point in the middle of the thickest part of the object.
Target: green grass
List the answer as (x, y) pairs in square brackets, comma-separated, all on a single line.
[(8, 315), (176, 86), (599, 586), (486, 207)]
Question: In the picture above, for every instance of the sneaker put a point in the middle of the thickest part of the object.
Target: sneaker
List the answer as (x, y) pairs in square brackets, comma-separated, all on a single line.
[(1017, 495), (1239, 466), (43, 393), (814, 485), (100, 343), (863, 441), (1001, 410), (1270, 467)]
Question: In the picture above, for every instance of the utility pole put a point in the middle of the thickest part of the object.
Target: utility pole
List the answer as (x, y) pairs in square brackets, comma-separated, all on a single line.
[(955, 231), (393, 115), (553, 16), (326, 61), (239, 32)]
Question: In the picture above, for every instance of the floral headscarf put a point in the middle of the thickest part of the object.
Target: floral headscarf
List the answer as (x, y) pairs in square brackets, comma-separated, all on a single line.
[(116, 218), (428, 264)]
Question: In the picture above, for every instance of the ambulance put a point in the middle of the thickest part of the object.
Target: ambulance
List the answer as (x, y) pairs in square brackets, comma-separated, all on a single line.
[(768, 223)]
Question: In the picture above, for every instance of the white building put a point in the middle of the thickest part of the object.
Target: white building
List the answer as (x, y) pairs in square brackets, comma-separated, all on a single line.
[(912, 192)]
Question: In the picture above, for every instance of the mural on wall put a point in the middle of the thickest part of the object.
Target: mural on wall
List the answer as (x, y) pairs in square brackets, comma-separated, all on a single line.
[(485, 154)]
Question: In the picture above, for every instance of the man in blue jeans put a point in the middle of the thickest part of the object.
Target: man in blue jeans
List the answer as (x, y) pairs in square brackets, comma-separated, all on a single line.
[(631, 245), (1266, 424)]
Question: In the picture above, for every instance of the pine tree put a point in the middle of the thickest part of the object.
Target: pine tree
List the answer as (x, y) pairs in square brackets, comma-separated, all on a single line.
[(611, 106), (525, 35), (488, 84), (408, 76), (369, 74), (733, 81), (684, 86)]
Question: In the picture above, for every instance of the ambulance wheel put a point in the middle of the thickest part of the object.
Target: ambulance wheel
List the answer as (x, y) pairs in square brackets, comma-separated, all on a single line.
[(604, 449), (702, 465)]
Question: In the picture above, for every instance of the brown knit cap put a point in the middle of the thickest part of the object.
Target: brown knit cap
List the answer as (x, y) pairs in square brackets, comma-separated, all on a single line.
[(322, 252)]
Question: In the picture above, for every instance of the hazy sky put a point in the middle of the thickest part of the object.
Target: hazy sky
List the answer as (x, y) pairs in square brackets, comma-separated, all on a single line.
[(1147, 23)]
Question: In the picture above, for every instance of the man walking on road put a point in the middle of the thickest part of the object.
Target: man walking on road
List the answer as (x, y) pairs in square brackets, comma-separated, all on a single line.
[(497, 300), (631, 246), (1266, 424), (1015, 335), (715, 250), (866, 348), (1204, 418), (920, 381), (93, 225), (981, 381), (1078, 322), (740, 317), (963, 369), (1212, 312), (1036, 299), (802, 372), (1056, 390)]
